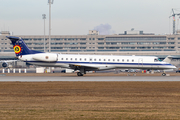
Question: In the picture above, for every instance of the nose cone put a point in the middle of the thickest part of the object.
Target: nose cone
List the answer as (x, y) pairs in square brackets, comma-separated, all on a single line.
[(173, 67)]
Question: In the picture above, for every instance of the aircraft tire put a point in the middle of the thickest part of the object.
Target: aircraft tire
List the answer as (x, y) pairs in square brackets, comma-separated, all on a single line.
[(163, 74), (79, 74)]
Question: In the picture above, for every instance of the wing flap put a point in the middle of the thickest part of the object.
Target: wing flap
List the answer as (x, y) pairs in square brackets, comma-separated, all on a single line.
[(84, 66)]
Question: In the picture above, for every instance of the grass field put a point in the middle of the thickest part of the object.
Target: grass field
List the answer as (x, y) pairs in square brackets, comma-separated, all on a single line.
[(89, 100)]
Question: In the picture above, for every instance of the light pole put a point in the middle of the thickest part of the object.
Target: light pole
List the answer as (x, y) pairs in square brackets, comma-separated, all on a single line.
[(50, 2), (44, 17)]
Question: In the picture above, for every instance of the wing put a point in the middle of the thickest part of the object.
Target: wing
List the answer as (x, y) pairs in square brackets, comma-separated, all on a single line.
[(83, 66)]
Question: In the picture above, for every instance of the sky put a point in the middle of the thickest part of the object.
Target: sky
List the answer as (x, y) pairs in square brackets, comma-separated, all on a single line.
[(77, 17)]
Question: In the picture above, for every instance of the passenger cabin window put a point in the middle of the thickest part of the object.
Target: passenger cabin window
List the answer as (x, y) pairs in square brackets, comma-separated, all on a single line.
[(90, 59), (66, 58), (75, 58), (94, 59), (104, 59), (108, 59), (84, 59), (80, 59), (122, 60), (132, 60), (127, 60), (113, 59), (99, 59), (118, 60), (71, 59)]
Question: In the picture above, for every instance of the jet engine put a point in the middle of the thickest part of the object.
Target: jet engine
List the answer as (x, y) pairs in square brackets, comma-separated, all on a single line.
[(46, 57), (4, 64)]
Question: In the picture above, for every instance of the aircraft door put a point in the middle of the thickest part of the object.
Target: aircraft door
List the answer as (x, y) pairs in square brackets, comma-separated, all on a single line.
[(140, 62), (155, 66), (57, 57)]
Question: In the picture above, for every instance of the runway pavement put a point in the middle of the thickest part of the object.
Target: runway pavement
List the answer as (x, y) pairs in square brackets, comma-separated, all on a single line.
[(87, 78)]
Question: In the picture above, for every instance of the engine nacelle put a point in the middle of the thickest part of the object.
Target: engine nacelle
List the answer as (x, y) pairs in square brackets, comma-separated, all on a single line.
[(46, 57), (4, 64)]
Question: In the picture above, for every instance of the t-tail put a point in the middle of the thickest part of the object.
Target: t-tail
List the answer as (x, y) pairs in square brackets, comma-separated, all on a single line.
[(20, 48)]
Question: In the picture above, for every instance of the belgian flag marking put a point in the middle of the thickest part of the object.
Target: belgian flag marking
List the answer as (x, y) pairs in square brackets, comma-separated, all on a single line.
[(17, 49)]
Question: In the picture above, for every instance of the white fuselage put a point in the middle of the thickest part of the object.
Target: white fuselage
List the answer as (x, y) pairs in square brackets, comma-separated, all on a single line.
[(96, 62)]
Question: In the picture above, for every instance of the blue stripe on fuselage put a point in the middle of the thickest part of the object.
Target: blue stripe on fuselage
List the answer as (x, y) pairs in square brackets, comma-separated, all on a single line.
[(100, 63)]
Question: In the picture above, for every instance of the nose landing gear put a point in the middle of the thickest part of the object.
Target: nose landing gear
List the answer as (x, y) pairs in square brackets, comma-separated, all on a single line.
[(79, 74), (163, 74)]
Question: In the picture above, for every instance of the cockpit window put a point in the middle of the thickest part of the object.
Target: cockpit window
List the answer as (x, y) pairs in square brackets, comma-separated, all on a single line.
[(159, 59), (156, 60)]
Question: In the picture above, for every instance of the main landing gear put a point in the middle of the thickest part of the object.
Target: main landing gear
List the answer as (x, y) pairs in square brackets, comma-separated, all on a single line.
[(163, 74), (79, 74)]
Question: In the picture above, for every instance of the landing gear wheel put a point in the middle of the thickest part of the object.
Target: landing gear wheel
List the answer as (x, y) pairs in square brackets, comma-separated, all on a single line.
[(163, 74), (79, 74)]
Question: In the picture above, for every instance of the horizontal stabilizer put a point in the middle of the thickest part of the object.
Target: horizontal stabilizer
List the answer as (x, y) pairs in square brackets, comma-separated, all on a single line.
[(13, 38)]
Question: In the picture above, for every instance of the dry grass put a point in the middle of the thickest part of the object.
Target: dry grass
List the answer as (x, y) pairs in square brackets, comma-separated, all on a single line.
[(89, 100)]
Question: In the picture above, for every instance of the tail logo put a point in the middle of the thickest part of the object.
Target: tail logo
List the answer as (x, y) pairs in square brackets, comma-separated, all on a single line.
[(17, 49)]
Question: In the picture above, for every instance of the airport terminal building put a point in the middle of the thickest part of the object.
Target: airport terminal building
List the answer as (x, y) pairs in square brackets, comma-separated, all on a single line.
[(131, 42)]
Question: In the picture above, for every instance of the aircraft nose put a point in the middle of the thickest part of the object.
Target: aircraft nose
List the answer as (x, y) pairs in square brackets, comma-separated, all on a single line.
[(173, 67)]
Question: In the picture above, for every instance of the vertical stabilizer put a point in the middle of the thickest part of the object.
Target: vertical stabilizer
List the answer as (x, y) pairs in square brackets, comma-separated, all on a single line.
[(20, 48)]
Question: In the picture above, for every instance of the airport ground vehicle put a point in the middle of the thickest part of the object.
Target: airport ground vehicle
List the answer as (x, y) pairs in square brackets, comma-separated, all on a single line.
[(133, 71), (67, 71)]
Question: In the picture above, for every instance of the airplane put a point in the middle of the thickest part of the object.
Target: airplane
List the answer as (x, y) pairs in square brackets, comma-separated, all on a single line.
[(83, 63)]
